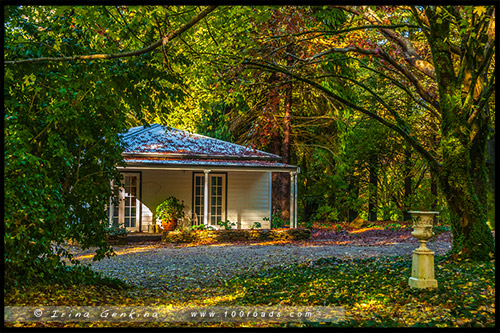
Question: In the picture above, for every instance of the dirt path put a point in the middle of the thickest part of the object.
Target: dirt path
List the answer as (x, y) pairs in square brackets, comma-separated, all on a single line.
[(171, 267)]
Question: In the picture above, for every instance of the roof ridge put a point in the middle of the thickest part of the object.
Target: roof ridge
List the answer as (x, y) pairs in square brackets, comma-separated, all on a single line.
[(232, 143), (144, 129)]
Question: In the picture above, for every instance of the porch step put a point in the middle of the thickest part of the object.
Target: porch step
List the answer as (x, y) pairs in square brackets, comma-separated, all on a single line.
[(143, 237)]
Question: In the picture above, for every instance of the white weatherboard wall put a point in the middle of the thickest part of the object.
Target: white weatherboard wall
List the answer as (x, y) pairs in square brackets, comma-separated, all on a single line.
[(248, 198), (247, 194)]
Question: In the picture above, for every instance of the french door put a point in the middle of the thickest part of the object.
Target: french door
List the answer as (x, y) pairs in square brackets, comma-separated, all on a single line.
[(216, 198), (124, 210)]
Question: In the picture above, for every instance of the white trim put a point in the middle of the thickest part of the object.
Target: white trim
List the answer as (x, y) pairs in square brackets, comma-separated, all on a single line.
[(293, 199), (205, 199), (270, 198)]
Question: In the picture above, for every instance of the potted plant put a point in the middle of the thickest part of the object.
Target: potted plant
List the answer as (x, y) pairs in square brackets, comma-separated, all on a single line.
[(169, 212)]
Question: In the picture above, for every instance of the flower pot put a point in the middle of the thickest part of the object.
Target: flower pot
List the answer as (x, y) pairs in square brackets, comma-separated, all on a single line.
[(169, 225)]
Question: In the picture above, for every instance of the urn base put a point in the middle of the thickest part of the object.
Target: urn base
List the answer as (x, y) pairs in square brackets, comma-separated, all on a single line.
[(422, 270)]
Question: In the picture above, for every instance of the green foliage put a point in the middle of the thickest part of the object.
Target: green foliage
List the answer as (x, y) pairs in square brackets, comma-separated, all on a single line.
[(75, 276), (62, 147), (63, 123), (202, 227), (256, 225), (276, 221), (198, 227), (440, 229), (327, 214), (226, 224), (116, 230), (339, 228), (213, 123), (393, 226), (170, 209)]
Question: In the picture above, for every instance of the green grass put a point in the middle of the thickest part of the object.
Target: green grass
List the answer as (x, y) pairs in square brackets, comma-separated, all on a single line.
[(374, 292)]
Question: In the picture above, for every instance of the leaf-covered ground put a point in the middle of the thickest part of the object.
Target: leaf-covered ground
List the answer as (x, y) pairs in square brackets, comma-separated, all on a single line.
[(172, 267), (370, 281)]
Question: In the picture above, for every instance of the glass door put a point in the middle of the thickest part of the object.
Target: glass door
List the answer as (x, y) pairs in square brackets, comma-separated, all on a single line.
[(124, 209), (216, 199)]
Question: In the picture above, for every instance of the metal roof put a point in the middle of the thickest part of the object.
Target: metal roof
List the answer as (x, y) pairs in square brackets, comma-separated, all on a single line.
[(158, 145)]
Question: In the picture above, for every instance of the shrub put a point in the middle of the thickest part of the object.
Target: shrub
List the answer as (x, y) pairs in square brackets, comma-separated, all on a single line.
[(170, 209), (226, 224), (256, 225), (276, 221), (116, 230), (327, 214)]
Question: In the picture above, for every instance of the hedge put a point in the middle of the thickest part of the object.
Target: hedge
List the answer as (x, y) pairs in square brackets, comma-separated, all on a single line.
[(211, 236)]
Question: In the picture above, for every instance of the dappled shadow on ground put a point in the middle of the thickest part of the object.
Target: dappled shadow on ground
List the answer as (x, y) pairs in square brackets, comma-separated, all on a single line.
[(319, 238)]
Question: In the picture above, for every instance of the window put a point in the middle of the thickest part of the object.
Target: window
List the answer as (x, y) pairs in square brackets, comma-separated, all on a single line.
[(216, 199)]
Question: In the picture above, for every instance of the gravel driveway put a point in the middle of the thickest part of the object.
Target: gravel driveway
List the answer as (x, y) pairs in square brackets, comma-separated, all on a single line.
[(175, 268)]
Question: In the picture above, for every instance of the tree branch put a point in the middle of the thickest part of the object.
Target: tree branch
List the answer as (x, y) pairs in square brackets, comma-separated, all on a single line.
[(381, 53), (147, 49), (126, 23), (409, 53), (433, 163), (338, 32)]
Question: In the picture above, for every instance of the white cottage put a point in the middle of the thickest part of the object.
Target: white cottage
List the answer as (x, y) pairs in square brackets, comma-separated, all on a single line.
[(216, 180)]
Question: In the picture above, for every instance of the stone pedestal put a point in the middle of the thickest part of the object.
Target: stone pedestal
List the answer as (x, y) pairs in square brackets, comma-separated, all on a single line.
[(422, 267), (422, 270)]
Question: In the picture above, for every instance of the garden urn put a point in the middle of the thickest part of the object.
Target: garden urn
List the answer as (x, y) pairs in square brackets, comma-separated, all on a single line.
[(422, 270)]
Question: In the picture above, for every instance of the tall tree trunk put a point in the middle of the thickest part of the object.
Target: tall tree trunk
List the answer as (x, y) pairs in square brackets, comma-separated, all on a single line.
[(462, 180), (463, 152), (472, 237), (353, 192), (285, 183), (373, 189), (275, 146), (287, 128), (458, 180), (277, 194), (434, 192)]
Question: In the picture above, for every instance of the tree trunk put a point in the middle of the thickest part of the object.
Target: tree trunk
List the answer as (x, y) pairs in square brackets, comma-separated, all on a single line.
[(353, 192), (275, 146), (463, 146), (287, 128), (458, 179), (285, 182), (373, 189), (434, 192), (277, 194)]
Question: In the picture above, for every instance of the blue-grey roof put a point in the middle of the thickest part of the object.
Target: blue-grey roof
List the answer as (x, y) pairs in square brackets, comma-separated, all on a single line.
[(162, 146)]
